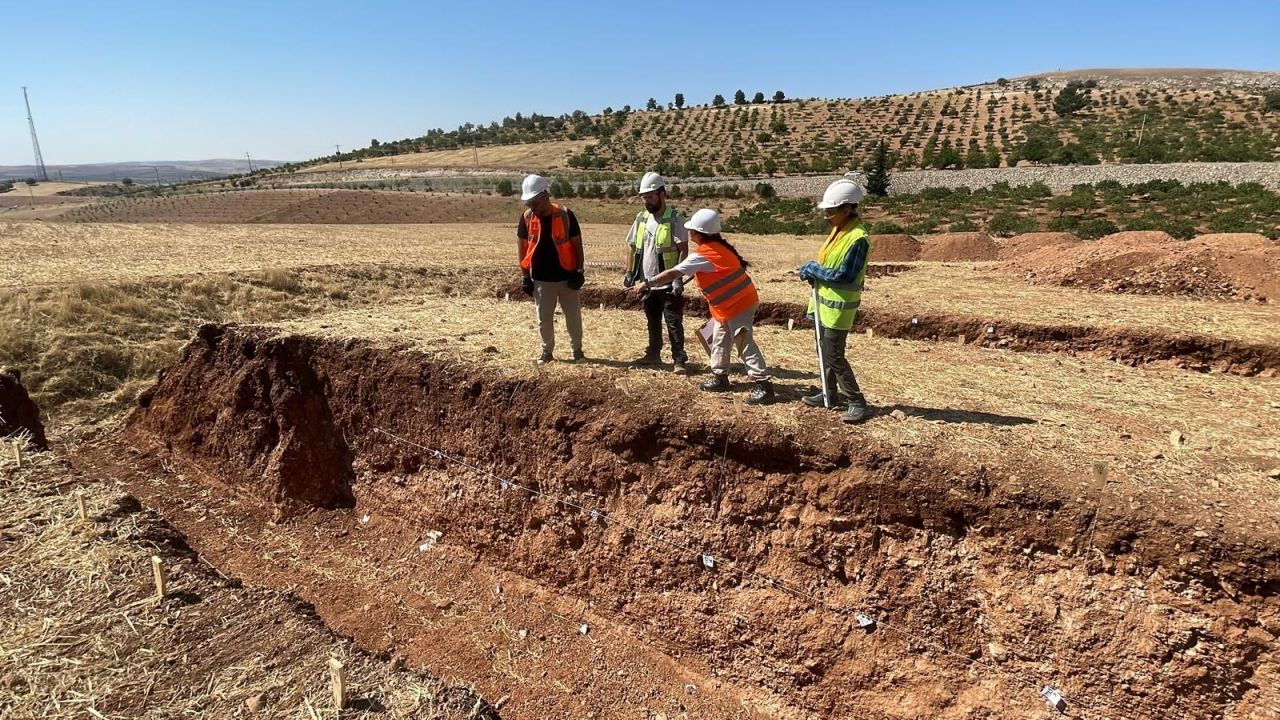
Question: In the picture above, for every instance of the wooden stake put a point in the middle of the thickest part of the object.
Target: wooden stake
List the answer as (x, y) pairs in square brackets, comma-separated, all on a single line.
[(871, 332), (338, 680), (508, 297), (791, 324), (960, 338), (602, 306), (1100, 473), (157, 568), (80, 511), (17, 452)]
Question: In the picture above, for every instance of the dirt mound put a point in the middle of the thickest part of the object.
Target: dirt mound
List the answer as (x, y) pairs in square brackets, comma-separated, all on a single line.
[(1019, 245), (18, 412), (1223, 267), (959, 247), (259, 418), (894, 248)]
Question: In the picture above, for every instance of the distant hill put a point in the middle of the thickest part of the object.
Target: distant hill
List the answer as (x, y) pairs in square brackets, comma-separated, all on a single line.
[(170, 171), (1068, 117)]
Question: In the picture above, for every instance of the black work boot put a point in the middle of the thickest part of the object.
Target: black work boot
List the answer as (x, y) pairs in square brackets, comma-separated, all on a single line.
[(857, 411), (716, 383), (762, 394), (819, 400), (650, 357)]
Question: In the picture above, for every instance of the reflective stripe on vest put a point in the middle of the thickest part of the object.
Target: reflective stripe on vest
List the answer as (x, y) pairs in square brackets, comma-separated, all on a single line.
[(839, 302), (663, 239), (559, 235), (728, 289)]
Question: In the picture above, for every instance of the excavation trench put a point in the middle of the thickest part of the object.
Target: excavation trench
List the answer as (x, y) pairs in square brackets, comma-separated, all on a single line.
[(1190, 351), (981, 590)]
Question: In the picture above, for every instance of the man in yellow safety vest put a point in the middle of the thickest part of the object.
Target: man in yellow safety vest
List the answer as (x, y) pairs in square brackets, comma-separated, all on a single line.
[(657, 242)]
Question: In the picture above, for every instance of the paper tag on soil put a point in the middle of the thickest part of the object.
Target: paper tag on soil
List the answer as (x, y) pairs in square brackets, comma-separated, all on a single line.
[(433, 537), (584, 629), (709, 562), (1055, 699), (865, 622)]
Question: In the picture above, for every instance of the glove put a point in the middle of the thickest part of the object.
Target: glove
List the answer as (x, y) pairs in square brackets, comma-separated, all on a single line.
[(628, 280), (576, 280), (806, 272), (527, 285), (677, 287)]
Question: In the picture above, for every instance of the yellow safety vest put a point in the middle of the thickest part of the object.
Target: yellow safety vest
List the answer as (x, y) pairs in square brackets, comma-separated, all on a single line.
[(838, 302), (663, 241)]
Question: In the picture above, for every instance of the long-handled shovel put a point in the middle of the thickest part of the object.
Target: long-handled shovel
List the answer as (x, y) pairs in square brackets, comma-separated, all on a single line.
[(822, 364)]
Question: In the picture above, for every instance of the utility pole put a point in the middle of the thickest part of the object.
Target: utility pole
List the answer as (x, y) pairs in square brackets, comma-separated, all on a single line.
[(337, 151), (153, 167), (246, 157), (41, 173)]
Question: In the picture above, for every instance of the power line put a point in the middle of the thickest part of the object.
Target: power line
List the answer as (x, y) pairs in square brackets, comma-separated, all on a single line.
[(41, 173)]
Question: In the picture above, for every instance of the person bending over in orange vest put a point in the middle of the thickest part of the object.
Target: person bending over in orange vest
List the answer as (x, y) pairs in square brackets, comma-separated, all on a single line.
[(721, 274), (551, 260)]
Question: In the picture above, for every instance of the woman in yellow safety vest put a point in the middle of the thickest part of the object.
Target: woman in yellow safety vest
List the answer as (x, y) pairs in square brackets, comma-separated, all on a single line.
[(837, 277), (731, 297)]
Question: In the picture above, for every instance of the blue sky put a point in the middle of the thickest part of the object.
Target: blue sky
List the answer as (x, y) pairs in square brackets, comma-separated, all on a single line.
[(188, 79)]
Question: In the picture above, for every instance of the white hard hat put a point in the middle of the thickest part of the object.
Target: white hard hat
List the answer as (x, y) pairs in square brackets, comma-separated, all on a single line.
[(533, 186), (651, 181), (844, 191), (705, 221)]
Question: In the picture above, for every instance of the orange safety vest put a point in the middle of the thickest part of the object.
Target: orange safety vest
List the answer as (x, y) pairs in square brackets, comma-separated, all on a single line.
[(559, 234), (728, 289)]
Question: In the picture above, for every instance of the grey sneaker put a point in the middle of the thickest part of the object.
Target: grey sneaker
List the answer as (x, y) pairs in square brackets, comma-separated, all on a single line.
[(716, 383), (762, 394), (857, 412)]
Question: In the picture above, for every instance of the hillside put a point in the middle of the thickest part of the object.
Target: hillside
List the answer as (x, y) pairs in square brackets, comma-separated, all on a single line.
[(1076, 117), (170, 171)]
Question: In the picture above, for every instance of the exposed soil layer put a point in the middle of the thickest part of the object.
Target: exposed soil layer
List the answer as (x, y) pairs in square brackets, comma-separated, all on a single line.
[(1019, 245), (294, 457), (958, 247), (85, 637), (18, 413), (1226, 266), (983, 588), (895, 248), (1190, 351)]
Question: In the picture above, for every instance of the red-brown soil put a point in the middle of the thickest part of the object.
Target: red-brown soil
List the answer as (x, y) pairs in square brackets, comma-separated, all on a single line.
[(1227, 267), (1019, 245), (984, 588), (18, 413), (895, 248), (958, 247)]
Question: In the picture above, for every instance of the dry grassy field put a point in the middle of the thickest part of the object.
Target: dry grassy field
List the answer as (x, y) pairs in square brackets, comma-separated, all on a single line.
[(543, 156), (1062, 503)]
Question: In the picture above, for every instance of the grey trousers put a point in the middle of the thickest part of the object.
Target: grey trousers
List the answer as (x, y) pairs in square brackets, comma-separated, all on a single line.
[(738, 332), (840, 376), (545, 297)]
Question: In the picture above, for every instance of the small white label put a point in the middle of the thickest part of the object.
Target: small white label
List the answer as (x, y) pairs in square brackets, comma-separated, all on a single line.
[(584, 629), (505, 485), (865, 621), (1055, 699), (709, 562), (915, 320), (991, 329)]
